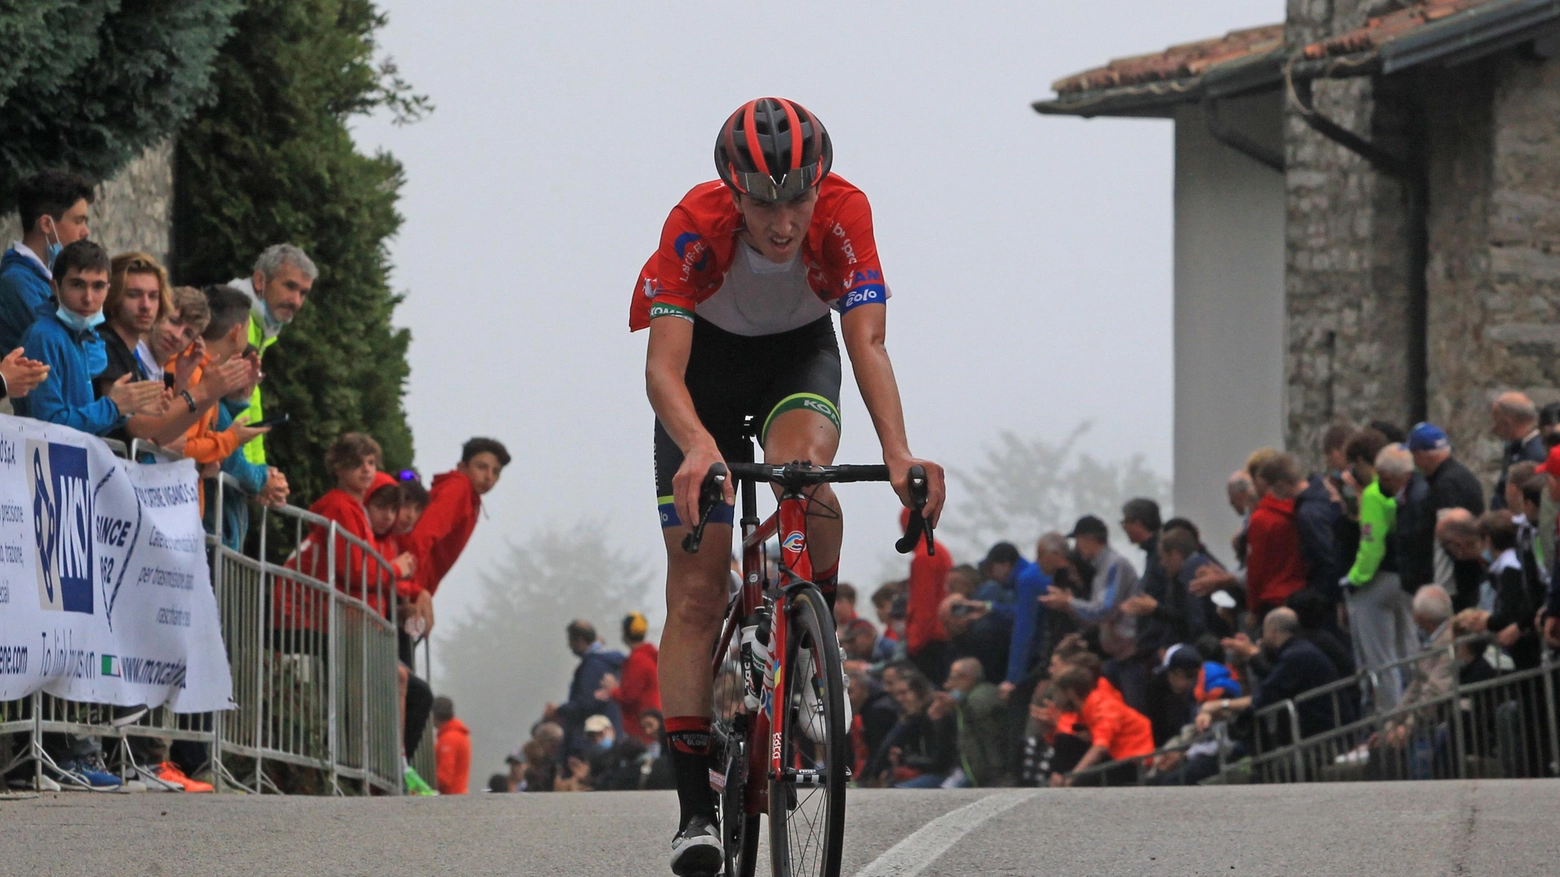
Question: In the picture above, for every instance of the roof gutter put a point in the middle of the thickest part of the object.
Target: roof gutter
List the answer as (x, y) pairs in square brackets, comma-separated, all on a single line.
[(1416, 184)]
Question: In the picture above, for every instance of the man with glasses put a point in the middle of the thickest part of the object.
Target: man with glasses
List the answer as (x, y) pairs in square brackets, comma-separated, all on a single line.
[(738, 300)]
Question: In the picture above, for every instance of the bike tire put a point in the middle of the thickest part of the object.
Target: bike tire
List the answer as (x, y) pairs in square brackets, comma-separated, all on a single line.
[(730, 738), (809, 844)]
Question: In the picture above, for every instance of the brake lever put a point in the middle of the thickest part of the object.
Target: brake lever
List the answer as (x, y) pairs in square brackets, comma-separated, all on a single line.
[(711, 495), (918, 522)]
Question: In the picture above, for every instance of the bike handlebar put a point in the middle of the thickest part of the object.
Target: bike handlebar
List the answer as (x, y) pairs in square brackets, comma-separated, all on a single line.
[(795, 476)]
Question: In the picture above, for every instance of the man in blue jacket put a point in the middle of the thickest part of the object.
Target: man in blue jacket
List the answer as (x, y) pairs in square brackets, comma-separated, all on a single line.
[(1005, 565), (53, 206), (63, 337), (596, 661)]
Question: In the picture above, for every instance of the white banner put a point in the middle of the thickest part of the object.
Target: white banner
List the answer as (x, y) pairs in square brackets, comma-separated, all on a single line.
[(105, 591)]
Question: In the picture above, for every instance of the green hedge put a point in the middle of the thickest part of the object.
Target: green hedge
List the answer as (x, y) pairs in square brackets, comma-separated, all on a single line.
[(271, 160), (87, 85)]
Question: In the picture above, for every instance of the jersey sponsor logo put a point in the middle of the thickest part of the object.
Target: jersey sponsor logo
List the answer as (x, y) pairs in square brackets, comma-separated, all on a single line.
[(845, 245), (866, 276), (650, 289), (662, 309), (693, 252), (62, 526), (861, 295), (821, 408), (794, 542)]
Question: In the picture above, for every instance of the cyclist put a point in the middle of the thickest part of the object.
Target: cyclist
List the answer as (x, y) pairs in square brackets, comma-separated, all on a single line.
[(738, 300)]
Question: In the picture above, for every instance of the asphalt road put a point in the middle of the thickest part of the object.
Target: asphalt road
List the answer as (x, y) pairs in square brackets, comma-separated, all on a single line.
[(1482, 828)]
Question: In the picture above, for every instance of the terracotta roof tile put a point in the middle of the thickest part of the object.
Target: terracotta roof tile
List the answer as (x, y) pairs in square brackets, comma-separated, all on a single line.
[(1177, 62), (1394, 24)]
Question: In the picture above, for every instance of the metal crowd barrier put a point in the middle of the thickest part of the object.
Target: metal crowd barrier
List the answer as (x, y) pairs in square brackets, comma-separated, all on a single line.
[(313, 662), (314, 666), (1504, 726)]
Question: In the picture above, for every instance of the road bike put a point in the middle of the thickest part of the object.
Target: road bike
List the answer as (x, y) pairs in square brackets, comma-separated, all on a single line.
[(779, 741)]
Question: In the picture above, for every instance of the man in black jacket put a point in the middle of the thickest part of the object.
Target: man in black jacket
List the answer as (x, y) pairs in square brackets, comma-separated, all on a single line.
[(1298, 667), (1452, 486), (1514, 419)]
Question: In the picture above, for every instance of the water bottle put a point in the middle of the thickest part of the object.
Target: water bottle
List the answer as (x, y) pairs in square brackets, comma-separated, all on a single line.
[(757, 674)]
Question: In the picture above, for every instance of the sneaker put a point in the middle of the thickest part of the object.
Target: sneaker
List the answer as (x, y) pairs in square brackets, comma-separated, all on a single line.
[(697, 851), (169, 773), (416, 785), (44, 784), (810, 715), (149, 778), (88, 774)]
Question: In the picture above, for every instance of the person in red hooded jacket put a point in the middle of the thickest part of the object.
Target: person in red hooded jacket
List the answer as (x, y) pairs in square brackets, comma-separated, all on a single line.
[(926, 642), (639, 688), (453, 504), (1275, 568)]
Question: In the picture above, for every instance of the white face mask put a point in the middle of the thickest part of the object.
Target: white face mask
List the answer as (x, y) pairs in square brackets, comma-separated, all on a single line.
[(77, 321)]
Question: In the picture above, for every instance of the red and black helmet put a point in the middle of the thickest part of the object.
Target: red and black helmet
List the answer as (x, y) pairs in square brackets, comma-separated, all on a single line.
[(773, 150)]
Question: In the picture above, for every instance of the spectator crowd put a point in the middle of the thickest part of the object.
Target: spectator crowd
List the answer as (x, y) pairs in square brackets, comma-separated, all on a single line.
[(103, 343), (1088, 663)]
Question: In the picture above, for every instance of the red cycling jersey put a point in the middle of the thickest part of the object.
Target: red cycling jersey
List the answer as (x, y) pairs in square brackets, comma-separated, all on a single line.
[(699, 242)]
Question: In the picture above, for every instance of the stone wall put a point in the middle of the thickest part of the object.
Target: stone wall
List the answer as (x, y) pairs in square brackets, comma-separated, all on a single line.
[(1495, 244), (1346, 252), (133, 211)]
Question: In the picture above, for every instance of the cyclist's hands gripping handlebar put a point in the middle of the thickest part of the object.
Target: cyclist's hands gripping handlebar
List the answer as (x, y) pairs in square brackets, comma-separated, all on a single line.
[(918, 522), (711, 494)]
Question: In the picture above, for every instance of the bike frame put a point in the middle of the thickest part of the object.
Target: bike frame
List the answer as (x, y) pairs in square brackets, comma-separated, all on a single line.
[(790, 522)]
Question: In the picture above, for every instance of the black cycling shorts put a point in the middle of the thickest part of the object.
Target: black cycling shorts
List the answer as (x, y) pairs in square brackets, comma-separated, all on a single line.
[(733, 377)]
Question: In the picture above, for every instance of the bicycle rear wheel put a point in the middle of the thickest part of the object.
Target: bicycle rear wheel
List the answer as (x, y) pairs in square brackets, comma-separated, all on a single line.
[(730, 727), (807, 803)]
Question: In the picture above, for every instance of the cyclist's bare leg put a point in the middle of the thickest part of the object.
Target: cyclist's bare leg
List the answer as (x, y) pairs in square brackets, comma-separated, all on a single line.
[(696, 590), (802, 434)]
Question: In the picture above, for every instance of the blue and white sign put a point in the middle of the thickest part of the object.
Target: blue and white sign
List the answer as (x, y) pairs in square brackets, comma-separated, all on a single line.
[(105, 591)]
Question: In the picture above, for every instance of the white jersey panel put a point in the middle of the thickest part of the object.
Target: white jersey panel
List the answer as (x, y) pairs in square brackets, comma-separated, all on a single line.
[(759, 297)]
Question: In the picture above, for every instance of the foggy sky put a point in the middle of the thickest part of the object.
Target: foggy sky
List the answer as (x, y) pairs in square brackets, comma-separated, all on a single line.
[(1029, 257)]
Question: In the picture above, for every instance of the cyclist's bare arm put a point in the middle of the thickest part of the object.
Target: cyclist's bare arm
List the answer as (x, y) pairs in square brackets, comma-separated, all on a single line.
[(666, 362), (864, 329)]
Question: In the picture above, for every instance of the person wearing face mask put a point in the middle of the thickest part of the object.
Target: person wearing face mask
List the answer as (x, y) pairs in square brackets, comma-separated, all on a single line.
[(284, 276), (63, 338), (53, 209)]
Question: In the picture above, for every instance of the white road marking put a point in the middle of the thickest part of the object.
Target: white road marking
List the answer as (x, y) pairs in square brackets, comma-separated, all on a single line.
[(917, 852)]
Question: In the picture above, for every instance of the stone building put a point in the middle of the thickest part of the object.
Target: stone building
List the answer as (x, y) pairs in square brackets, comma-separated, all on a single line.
[(1367, 222), (132, 211)]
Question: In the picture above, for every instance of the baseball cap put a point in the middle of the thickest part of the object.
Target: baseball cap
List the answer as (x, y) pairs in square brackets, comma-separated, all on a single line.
[(1002, 552), (1089, 525), (1181, 657), (1427, 437), (515, 757), (1551, 465), (598, 724)]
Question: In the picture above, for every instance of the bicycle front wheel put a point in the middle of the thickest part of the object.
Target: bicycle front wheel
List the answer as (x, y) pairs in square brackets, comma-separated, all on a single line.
[(807, 801)]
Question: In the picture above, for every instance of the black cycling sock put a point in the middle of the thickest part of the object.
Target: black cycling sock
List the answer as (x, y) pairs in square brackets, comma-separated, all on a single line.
[(828, 582), (688, 738)]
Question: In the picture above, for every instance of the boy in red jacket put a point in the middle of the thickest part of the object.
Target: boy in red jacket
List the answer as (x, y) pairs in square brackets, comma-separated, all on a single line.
[(456, 498), (1274, 566), (640, 687)]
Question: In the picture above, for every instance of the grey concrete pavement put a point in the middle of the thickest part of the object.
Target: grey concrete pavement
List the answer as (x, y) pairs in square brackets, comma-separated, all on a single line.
[(1425, 829)]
